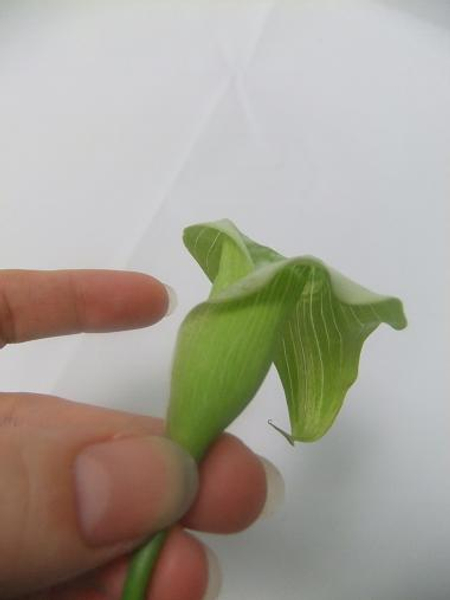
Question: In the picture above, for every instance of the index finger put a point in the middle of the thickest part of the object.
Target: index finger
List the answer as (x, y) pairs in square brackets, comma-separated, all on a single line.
[(35, 304)]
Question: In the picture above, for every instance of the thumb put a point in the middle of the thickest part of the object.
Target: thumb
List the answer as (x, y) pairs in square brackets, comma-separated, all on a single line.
[(71, 501)]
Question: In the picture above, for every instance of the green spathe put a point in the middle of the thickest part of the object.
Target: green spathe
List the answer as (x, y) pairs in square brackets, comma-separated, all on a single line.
[(308, 320), (297, 313)]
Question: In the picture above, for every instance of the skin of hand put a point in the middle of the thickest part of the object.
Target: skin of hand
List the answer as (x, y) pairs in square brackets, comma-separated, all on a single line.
[(82, 486)]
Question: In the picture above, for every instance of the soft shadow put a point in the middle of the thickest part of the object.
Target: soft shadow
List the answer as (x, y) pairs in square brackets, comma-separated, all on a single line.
[(436, 12)]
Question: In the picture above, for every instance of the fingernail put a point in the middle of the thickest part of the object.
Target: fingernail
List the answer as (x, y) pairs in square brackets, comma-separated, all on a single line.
[(275, 488), (173, 299), (214, 576), (132, 487)]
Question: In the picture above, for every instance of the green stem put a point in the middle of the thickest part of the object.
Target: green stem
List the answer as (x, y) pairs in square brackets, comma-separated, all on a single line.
[(141, 568)]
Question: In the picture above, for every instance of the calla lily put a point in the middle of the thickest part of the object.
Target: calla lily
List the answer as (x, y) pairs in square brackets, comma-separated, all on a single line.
[(264, 309)]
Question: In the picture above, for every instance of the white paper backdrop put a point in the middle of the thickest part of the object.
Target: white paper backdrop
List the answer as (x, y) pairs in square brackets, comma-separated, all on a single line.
[(319, 128)]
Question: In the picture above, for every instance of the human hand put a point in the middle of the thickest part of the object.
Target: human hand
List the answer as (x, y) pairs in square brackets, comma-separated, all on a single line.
[(81, 486)]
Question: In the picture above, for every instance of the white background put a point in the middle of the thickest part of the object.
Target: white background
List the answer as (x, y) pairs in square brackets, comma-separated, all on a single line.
[(320, 128)]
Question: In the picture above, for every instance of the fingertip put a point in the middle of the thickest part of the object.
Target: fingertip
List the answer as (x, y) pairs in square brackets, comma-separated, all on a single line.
[(182, 571), (128, 487), (117, 300), (146, 300), (110, 300), (232, 491), (161, 300)]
